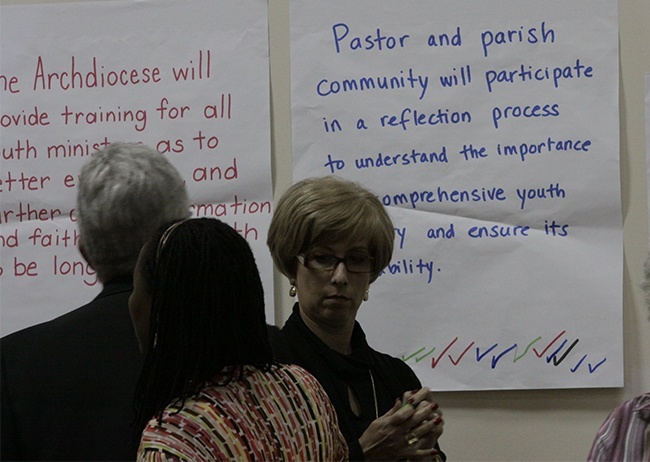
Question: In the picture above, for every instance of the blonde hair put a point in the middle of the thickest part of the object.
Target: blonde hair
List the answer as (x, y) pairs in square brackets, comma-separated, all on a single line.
[(326, 210)]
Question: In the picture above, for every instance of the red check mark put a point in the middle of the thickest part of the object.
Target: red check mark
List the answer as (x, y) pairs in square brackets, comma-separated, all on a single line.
[(455, 363), (434, 361), (539, 355)]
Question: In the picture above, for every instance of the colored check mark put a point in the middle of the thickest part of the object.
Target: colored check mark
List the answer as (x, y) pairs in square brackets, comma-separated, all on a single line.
[(436, 361), (411, 355), (517, 358), (575, 368), (455, 362), (592, 369), (539, 355), (420, 358), (557, 362), (495, 359), (480, 355), (552, 355)]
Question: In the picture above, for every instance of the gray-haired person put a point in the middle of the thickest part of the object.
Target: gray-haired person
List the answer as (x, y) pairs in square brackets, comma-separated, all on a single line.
[(68, 384)]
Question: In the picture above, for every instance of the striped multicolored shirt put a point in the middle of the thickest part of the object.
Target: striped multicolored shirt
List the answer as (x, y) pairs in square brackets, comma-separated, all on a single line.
[(281, 414), (624, 436)]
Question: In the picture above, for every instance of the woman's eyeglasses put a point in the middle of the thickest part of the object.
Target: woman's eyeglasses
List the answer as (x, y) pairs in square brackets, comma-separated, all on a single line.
[(354, 263)]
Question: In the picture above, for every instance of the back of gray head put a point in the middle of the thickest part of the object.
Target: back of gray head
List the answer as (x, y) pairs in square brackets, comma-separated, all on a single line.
[(126, 191)]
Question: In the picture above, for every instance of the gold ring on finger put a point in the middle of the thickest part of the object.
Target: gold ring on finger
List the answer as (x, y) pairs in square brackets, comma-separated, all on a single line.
[(411, 439)]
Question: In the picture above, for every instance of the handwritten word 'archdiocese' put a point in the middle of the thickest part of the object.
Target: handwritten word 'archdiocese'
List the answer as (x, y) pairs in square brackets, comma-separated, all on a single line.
[(551, 352), (91, 73)]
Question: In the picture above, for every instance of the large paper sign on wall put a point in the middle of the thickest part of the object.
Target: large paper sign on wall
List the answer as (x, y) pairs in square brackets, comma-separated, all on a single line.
[(490, 131), (187, 77)]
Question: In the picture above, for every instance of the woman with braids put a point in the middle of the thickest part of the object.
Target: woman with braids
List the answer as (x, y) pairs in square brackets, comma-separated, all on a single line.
[(209, 388)]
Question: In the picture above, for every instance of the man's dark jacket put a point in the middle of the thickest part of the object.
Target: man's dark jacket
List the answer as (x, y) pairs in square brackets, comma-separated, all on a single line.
[(68, 384)]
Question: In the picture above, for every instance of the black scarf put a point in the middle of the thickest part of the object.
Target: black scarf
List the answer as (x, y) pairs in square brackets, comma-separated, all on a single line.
[(376, 379)]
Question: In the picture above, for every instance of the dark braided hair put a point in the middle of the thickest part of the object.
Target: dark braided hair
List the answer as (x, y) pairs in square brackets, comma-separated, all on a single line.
[(207, 313)]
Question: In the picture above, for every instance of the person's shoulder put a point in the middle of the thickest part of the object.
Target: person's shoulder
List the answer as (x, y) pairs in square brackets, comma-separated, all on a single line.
[(41, 332), (299, 378), (625, 409), (640, 400), (389, 361), (624, 413), (67, 320), (107, 311), (395, 368), (297, 375), (294, 369), (280, 344), (620, 428)]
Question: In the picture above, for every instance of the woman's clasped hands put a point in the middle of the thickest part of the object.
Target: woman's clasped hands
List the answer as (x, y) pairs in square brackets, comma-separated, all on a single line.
[(408, 431)]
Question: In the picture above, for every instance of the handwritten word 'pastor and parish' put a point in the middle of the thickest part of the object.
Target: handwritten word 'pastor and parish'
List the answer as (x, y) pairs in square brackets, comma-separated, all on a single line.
[(345, 40)]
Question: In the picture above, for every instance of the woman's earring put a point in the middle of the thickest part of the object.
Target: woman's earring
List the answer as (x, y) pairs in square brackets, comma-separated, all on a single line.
[(292, 289), (365, 296)]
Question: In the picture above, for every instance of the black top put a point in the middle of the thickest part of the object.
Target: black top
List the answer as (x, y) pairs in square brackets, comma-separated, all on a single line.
[(67, 384), (336, 372)]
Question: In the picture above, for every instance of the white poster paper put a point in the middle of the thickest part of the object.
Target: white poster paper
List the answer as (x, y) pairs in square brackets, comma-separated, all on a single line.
[(490, 131), (189, 77)]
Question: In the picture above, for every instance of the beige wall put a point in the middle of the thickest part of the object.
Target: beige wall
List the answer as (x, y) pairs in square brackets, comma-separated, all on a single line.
[(547, 425)]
